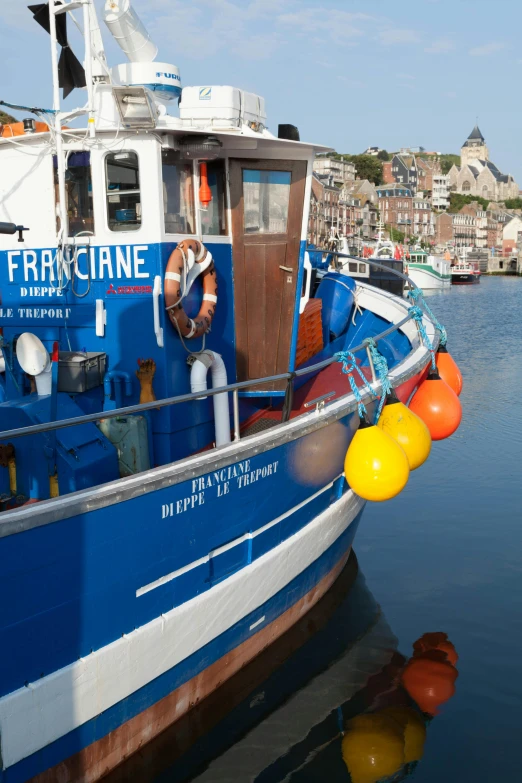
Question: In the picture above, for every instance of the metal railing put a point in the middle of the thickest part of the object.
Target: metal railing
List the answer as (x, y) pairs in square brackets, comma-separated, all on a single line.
[(89, 418)]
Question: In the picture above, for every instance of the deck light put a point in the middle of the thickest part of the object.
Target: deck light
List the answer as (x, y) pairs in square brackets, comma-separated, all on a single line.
[(135, 106)]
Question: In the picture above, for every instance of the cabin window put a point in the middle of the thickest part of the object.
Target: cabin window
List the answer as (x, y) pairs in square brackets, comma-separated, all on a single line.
[(352, 266), (78, 189), (123, 191), (266, 197), (178, 194), (214, 217)]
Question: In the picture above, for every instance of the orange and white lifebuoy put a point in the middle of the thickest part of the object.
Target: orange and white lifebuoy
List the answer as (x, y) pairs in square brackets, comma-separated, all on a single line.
[(186, 255)]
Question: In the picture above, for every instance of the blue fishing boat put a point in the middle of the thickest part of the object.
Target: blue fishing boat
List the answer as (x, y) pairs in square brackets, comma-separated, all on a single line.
[(157, 534)]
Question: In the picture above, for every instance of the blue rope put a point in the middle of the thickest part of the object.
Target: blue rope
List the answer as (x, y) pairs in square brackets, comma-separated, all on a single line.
[(381, 368), (416, 313), (349, 364), (416, 294)]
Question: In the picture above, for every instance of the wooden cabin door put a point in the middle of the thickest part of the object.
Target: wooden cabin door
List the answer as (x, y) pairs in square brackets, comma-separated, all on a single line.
[(267, 199)]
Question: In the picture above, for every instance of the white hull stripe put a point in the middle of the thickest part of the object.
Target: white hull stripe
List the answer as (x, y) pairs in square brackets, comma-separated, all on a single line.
[(36, 715), (173, 276), (236, 542)]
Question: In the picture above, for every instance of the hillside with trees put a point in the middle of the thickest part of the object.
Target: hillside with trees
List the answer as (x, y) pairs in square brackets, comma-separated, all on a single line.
[(6, 119), (459, 200)]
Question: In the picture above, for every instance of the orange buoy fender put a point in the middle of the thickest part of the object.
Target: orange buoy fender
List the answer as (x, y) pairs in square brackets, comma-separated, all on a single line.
[(429, 682), (188, 327), (438, 406), (448, 369), (436, 641)]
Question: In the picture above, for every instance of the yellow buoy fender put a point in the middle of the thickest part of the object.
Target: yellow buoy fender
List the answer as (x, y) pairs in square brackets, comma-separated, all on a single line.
[(373, 748), (375, 467), (414, 730), (407, 429)]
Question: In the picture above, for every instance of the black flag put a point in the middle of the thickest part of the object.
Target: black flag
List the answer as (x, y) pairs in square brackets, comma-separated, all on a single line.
[(70, 71)]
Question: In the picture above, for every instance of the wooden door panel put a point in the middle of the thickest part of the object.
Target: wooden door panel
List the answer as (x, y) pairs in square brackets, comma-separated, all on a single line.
[(264, 292)]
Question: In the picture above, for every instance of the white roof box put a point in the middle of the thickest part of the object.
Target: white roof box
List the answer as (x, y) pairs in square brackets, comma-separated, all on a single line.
[(221, 107)]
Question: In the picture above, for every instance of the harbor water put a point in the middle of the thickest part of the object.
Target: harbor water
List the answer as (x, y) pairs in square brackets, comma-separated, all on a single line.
[(444, 556)]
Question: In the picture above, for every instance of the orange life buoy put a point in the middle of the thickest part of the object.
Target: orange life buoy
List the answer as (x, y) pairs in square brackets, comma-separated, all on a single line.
[(176, 266)]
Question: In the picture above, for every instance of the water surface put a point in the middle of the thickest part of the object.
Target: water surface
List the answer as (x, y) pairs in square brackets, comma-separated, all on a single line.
[(447, 554)]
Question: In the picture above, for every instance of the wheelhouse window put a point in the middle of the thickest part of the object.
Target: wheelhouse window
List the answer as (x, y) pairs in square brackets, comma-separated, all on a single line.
[(266, 198), (178, 194), (78, 190), (123, 191), (214, 217)]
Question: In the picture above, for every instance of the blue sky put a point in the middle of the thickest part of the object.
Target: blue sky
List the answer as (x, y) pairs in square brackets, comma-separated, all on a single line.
[(348, 74)]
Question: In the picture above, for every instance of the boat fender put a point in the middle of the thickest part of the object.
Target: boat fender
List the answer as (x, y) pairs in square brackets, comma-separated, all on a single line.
[(448, 369), (438, 406), (188, 260)]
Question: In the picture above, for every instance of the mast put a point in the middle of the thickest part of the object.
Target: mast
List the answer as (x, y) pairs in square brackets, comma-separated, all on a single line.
[(95, 71), (58, 137)]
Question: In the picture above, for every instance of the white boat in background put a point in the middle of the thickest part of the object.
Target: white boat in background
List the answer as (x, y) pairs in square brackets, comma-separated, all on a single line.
[(428, 271)]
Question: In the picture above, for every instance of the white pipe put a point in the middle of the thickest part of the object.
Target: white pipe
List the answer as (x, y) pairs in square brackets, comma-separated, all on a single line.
[(44, 380), (198, 382)]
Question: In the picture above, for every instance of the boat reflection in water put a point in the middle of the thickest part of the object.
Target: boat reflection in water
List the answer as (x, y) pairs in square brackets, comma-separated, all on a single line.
[(332, 696)]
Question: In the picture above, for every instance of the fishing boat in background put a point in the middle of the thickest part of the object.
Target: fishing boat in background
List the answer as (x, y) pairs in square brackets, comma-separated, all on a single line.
[(428, 271), (382, 275), (465, 272), (156, 534)]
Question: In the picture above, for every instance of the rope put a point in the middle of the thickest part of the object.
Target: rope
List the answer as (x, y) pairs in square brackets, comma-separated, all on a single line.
[(349, 364), (416, 313), (381, 368), (416, 294)]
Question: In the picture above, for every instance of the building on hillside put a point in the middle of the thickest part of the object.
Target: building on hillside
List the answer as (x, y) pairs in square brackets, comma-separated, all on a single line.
[(455, 231), (366, 189), (440, 194), (481, 221), (367, 218), (423, 219), (387, 176), (512, 236), (404, 171), (396, 207), (498, 219), (372, 151), (341, 170), (464, 230), (444, 230), (411, 150), (477, 175)]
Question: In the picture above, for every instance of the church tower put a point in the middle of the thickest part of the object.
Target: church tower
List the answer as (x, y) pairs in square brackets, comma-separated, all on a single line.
[(474, 148)]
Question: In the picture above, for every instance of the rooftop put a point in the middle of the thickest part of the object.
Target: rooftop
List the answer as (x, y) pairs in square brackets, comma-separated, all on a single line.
[(474, 137)]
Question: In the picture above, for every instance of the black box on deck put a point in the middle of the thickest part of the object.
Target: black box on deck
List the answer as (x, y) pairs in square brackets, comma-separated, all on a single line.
[(80, 371)]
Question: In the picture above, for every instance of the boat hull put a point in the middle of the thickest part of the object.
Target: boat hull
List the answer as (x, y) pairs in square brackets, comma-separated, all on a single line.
[(464, 278), (197, 677), (426, 278)]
